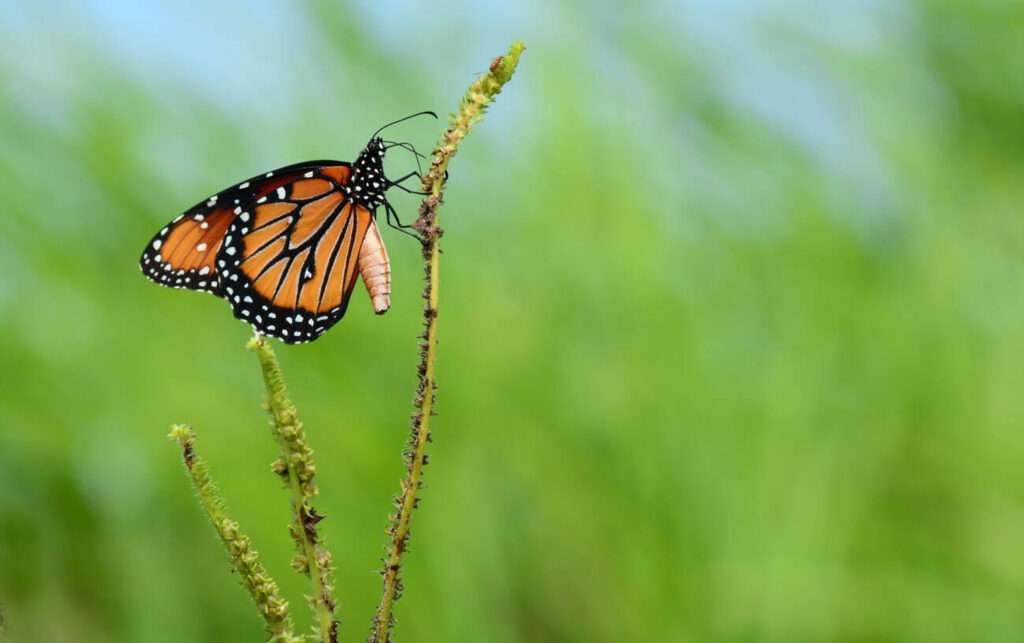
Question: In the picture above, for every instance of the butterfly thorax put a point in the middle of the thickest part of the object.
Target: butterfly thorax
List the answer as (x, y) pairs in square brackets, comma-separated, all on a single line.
[(368, 183)]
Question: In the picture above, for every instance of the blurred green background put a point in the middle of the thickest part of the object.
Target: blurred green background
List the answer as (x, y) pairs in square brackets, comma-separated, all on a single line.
[(730, 329)]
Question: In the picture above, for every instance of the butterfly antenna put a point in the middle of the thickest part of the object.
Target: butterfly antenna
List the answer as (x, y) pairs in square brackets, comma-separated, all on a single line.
[(383, 127)]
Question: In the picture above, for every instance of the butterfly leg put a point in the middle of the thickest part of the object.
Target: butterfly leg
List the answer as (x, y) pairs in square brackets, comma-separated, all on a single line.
[(419, 173), (398, 184), (408, 191), (396, 223)]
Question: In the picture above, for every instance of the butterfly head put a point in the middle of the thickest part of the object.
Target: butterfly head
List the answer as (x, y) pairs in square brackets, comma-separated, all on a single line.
[(368, 182)]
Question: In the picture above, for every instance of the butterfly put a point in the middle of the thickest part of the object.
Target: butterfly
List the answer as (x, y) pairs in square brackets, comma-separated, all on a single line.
[(285, 248)]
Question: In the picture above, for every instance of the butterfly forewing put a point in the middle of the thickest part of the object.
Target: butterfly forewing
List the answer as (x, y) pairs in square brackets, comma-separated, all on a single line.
[(289, 262), (183, 253)]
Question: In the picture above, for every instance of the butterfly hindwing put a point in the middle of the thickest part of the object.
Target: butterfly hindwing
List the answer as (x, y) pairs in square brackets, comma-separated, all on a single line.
[(288, 264)]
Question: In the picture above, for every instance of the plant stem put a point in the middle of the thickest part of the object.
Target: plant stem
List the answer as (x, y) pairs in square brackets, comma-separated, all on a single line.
[(244, 558), (297, 468), (471, 110)]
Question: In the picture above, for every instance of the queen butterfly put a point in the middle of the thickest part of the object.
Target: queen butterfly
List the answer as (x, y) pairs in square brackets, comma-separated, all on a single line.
[(285, 248)]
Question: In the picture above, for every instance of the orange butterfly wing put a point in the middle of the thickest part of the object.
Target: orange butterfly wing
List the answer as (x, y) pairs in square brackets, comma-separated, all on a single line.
[(184, 252), (288, 265)]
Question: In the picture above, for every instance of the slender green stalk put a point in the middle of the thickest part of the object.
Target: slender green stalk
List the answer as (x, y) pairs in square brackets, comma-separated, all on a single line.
[(297, 468), (471, 110), (244, 558)]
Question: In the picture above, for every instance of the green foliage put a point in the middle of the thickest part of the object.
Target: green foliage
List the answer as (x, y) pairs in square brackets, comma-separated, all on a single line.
[(701, 380)]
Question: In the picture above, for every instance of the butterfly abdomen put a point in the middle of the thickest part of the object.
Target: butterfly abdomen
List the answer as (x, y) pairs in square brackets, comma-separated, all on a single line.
[(375, 269)]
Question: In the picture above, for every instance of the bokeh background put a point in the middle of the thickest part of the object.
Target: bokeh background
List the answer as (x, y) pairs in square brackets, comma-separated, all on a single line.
[(730, 335)]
